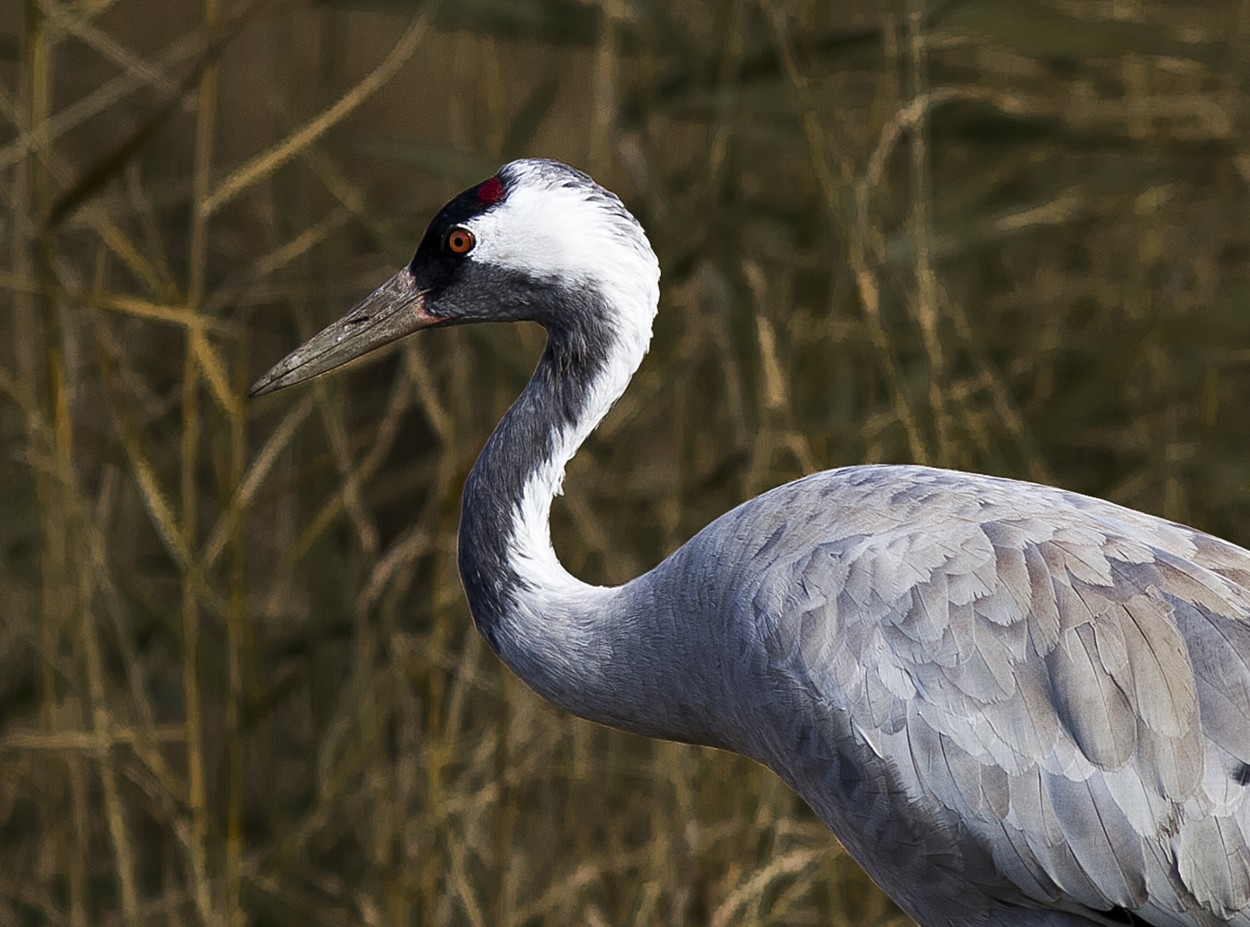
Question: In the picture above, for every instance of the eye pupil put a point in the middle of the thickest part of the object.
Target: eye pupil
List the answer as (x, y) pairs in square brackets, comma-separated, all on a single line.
[(460, 241)]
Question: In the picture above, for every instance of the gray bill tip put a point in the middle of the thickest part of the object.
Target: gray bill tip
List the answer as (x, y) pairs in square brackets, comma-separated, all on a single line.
[(269, 383), (393, 310), (260, 387), (304, 363)]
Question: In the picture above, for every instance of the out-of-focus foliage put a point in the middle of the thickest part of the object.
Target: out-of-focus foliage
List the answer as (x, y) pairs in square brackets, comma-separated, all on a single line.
[(238, 682)]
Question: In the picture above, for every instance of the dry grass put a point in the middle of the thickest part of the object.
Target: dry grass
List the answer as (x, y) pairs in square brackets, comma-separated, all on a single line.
[(238, 682)]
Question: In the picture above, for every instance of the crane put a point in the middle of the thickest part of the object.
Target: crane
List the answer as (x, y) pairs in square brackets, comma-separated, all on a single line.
[(1011, 703)]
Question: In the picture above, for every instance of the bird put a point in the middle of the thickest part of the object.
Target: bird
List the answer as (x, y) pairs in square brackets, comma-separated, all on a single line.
[(1011, 703)]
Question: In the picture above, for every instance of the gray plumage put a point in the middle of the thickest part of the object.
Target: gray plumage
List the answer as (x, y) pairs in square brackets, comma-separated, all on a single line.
[(1012, 704), (995, 693)]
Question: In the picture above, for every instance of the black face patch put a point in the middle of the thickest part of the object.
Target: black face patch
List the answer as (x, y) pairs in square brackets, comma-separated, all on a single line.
[(434, 266)]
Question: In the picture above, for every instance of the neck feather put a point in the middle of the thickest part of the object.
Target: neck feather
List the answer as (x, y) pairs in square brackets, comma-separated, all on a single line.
[(549, 627)]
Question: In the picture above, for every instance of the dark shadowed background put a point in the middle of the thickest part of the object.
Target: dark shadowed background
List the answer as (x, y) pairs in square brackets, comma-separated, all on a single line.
[(238, 680)]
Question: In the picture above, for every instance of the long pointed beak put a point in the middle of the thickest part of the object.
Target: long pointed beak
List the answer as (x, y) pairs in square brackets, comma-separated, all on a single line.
[(393, 310)]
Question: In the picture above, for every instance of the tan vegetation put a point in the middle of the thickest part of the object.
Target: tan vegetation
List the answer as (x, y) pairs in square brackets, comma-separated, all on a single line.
[(238, 681)]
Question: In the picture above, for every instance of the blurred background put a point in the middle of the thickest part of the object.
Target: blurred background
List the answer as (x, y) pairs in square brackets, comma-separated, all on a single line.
[(238, 680)]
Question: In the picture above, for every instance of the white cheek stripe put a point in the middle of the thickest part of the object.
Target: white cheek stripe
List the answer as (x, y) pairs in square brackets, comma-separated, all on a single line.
[(582, 237), (558, 232)]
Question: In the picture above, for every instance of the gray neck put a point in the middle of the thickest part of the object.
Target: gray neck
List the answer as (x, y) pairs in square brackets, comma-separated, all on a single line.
[(506, 561), (605, 654)]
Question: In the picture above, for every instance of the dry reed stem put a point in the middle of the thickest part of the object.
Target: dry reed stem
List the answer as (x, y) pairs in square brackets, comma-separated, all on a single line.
[(101, 100), (926, 302), (830, 189), (269, 161)]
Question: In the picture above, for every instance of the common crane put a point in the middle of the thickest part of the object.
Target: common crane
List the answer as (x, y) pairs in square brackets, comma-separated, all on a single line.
[(1012, 704)]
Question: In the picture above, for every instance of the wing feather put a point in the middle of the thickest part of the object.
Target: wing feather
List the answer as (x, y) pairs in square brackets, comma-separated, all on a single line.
[(1066, 682), (1092, 708), (1214, 864)]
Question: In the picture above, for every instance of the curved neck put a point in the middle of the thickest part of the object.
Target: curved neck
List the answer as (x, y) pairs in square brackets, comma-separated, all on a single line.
[(536, 616), (506, 555), (623, 656)]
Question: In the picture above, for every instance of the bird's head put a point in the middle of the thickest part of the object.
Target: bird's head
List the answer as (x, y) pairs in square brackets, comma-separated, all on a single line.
[(539, 241)]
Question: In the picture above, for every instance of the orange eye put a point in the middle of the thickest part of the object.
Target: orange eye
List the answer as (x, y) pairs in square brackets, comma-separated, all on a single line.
[(460, 240)]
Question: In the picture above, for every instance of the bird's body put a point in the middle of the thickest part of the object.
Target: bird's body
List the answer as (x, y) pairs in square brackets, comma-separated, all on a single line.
[(997, 694), (1012, 704)]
